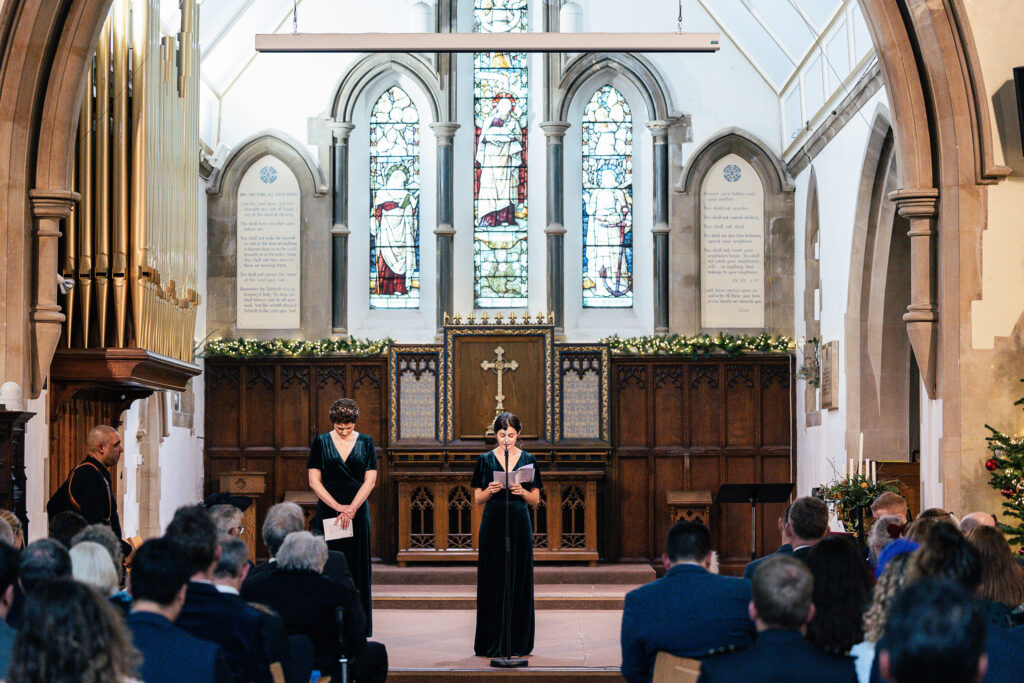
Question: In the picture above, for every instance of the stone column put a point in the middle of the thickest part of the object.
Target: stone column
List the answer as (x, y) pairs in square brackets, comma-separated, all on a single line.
[(49, 208), (339, 227), (555, 230), (445, 230), (920, 207), (659, 129)]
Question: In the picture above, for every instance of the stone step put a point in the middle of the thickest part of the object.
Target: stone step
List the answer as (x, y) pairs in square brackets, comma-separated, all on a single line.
[(462, 596), (614, 574)]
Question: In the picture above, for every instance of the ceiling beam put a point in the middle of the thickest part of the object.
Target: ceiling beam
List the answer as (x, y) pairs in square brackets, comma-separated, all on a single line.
[(487, 42)]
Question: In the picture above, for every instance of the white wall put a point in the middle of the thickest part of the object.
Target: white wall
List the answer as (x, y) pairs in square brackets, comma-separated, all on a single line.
[(281, 91), (838, 168)]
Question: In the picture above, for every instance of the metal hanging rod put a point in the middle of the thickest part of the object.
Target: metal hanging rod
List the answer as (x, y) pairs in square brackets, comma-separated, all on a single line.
[(487, 42)]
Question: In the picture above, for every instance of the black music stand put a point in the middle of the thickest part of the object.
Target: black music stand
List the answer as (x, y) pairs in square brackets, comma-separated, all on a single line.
[(753, 494)]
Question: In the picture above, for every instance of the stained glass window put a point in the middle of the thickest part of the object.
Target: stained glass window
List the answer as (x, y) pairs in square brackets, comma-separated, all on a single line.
[(394, 202), (607, 201), (499, 167)]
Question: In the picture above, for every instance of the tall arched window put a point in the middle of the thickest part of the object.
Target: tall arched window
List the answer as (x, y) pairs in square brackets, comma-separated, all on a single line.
[(499, 165), (607, 201), (394, 202)]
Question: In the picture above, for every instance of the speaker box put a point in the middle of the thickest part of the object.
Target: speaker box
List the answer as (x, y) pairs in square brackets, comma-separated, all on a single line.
[(1018, 82)]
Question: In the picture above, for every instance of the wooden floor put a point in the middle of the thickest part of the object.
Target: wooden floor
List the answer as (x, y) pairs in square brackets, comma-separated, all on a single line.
[(426, 616)]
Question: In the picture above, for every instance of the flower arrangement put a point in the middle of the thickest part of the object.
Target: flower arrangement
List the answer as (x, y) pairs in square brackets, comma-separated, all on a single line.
[(854, 491), (698, 345), (257, 348)]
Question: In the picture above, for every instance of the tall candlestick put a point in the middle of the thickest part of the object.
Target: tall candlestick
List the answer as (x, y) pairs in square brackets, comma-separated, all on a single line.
[(874, 471), (844, 469), (860, 455)]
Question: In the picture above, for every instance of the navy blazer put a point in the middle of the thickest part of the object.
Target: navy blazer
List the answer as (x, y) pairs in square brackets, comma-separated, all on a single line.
[(170, 655), (689, 612), (748, 571), (779, 656), (226, 620), (336, 569)]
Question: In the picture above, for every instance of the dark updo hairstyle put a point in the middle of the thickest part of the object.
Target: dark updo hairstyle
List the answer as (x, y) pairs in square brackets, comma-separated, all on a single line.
[(506, 420), (344, 411)]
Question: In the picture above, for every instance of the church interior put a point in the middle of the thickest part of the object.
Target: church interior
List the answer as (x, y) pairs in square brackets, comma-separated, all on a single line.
[(766, 261)]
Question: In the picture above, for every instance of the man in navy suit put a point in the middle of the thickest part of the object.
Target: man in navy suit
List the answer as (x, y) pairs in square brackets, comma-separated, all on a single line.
[(207, 613), (169, 654), (808, 524), (938, 635), (689, 612), (785, 549), (781, 606)]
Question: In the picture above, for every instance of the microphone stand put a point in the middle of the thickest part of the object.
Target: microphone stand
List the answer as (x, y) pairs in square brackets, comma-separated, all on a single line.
[(506, 661)]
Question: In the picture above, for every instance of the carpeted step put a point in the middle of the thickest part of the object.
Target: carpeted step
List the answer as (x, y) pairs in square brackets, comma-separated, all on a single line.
[(462, 596), (613, 574), (548, 675)]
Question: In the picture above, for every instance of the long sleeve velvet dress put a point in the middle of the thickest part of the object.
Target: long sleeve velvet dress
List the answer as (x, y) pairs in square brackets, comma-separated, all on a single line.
[(491, 563), (342, 479)]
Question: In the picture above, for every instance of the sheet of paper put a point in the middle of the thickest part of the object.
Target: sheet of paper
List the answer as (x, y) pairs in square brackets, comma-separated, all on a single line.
[(332, 531), (524, 475)]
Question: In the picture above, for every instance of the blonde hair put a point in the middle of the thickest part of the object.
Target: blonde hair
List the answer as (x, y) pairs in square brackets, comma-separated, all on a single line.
[(92, 565), (889, 584), (15, 524)]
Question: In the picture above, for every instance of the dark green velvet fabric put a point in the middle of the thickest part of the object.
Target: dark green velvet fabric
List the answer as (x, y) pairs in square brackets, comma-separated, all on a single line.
[(490, 582)]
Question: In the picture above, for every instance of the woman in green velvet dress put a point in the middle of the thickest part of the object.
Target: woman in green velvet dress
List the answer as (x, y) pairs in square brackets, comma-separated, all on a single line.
[(490, 581), (342, 472)]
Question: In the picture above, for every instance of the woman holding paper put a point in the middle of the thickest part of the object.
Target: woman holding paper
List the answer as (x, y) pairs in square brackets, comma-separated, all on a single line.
[(524, 486), (342, 472)]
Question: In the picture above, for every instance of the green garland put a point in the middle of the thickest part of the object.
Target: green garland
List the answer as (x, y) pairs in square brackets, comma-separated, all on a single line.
[(698, 345), (257, 348)]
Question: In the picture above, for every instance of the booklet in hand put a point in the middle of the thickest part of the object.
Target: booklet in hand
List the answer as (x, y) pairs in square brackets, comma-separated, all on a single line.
[(524, 475), (334, 531)]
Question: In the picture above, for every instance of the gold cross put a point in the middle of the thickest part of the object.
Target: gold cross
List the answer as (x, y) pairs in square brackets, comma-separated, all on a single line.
[(500, 366)]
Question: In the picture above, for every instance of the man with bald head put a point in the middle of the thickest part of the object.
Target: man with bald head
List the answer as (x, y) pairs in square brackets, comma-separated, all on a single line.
[(976, 519), (88, 489)]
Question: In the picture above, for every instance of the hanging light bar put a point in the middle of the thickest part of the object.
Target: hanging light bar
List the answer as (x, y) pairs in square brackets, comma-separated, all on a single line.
[(487, 42)]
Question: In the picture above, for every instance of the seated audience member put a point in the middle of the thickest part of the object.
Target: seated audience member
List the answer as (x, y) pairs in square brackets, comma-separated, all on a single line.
[(889, 504), (888, 586), (71, 634), (16, 527), (308, 603), (160, 576), (65, 525), (940, 515), (785, 549), (285, 518), (104, 535), (1002, 580), (41, 561), (207, 613), (842, 591), (808, 524), (975, 519), (232, 569), (8, 581), (689, 612), (91, 564), (884, 531), (911, 538), (935, 632), (228, 519), (946, 555), (781, 606), (6, 533)]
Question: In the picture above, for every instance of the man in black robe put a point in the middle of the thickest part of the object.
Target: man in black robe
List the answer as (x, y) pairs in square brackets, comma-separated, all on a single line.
[(90, 491)]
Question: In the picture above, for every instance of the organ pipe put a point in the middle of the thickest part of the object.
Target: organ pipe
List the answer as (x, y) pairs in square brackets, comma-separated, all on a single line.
[(132, 244)]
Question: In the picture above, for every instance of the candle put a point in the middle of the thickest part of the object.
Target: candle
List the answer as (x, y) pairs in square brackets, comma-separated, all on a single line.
[(844, 469), (874, 471), (860, 455), (853, 469)]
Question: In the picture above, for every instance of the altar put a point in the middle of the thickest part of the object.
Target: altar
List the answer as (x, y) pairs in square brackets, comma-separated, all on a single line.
[(613, 435)]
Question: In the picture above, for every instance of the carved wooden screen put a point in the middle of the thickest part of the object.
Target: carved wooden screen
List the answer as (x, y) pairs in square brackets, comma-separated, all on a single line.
[(261, 415), (694, 425)]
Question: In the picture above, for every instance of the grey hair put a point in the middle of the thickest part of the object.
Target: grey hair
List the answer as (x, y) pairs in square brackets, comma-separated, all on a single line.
[(303, 550), (102, 534), (91, 564), (878, 535), (234, 554), (226, 517), (281, 520), (6, 532)]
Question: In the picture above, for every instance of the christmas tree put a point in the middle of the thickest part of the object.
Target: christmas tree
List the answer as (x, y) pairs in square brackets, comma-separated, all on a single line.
[(1006, 475)]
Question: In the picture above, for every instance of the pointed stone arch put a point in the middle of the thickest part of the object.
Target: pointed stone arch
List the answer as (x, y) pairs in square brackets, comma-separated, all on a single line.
[(685, 244), (369, 69), (586, 66)]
